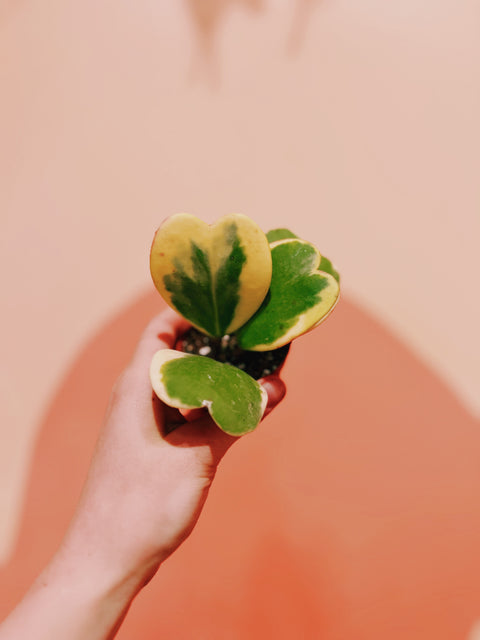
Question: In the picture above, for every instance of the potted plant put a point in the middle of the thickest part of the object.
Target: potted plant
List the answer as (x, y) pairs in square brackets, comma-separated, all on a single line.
[(247, 295)]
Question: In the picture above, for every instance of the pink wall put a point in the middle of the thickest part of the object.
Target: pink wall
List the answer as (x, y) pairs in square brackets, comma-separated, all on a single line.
[(354, 123)]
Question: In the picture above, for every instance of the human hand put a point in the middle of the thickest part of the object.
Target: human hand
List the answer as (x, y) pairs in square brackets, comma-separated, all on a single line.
[(146, 486)]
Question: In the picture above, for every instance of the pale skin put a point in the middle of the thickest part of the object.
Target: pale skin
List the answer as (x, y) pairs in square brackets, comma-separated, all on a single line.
[(145, 490)]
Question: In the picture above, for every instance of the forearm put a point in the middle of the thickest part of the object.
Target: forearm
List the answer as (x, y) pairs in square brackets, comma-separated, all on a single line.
[(73, 600)]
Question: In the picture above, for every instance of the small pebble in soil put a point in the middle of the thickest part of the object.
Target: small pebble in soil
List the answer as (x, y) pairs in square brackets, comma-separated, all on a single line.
[(257, 364), (204, 351)]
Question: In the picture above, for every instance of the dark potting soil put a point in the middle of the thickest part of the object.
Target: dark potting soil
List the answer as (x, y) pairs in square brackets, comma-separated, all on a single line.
[(257, 364)]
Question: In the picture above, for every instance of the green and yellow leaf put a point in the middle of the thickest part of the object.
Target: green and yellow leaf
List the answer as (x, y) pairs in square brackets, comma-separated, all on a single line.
[(301, 295), (274, 235), (327, 266), (216, 275), (235, 401)]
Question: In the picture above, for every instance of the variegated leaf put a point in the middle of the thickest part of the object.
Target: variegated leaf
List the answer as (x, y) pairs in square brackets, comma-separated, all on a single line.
[(301, 295), (235, 401), (274, 235), (216, 275)]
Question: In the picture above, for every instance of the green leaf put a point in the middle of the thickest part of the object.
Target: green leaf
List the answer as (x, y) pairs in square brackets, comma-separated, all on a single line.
[(279, 234), (215, 276), (327, 266), (208, 301), (300, 297), (235, 401)]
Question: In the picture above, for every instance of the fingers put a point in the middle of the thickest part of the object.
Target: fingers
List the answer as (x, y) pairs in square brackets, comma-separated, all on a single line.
[(190, 415), (203, 432), (171, 418), (161, 333), (276, 390), (200, 429)]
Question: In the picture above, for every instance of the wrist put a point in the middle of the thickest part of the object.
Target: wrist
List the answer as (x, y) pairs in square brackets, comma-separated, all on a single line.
[(99, 558), (75, 597), (97, 576)]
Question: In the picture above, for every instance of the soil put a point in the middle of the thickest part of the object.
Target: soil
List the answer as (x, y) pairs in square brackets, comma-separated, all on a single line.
[(257, 364)]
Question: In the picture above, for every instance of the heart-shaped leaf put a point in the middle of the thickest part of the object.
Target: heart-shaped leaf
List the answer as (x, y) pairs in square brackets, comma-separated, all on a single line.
[(301, 296), (282, 234), (216, 275), (235, 401), (279, 234)]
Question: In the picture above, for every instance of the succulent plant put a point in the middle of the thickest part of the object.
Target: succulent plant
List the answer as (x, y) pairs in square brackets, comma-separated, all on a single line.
[(230, 278)]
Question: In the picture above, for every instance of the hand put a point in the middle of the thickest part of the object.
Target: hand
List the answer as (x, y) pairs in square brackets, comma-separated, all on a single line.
[(144, 493), (146, 487)]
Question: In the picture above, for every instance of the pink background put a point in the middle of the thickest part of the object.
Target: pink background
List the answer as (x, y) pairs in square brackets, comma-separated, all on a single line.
[(356, 124)]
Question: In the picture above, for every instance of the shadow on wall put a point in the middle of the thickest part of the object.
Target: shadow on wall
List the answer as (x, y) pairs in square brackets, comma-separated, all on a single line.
[(303, 12), (352, 512), (7, 8), (208, 17)]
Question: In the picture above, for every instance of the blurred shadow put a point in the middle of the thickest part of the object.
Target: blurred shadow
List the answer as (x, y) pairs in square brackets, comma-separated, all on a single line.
[(303, 11), (208, 17), (8, 8)]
